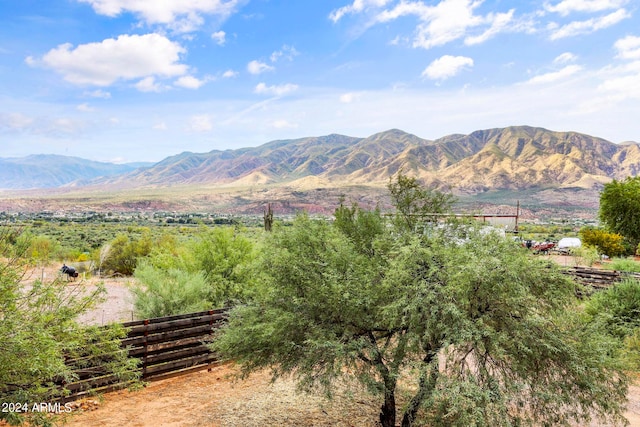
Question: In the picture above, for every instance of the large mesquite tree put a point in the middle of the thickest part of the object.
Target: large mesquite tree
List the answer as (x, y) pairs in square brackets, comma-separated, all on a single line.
[(474, 330)]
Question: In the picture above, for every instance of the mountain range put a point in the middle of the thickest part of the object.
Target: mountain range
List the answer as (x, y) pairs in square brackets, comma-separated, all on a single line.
[(514, 158), (50, 171)]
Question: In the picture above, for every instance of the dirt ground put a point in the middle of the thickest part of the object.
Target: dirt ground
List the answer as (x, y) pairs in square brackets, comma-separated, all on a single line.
[(118, 302), (212, 399)]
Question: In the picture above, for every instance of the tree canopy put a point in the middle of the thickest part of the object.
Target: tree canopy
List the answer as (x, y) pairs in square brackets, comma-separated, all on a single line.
[(414, 202), (620, 209), (463, 326)]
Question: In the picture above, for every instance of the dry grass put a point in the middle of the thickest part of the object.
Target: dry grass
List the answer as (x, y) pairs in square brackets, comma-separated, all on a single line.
[(215, 399)]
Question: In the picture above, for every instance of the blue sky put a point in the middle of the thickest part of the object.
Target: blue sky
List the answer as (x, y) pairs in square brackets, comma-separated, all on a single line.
[(139, 80)]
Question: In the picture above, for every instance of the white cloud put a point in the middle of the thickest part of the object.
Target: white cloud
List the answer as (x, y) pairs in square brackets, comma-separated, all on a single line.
[(15, 122), (219, 37), (257, 67), (86, 108), (446, 66), (589, 26), (498, 23), (229, 74), (99, 93), (283, 124), (125, 58), (450, 20), (148, 84), (277, 90), (622, 82), (628, 47), (200, 123), (447, 21), (627, 86), (54, 127), (554, 76), (357, 6), (287, 52), (349, 97), (65, 126), (179, 15), (564, 58), (565, 7), (189, 82)]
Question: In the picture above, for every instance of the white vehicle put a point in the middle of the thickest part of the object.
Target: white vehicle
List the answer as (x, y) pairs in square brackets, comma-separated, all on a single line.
[(566, 243)]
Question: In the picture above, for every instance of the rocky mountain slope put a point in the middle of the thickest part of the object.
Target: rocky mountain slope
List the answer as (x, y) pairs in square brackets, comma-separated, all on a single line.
[(513, 158)]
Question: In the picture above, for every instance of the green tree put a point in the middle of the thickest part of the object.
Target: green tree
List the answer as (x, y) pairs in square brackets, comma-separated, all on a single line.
[(39, 330), (415, 203), (620, 209), (224, 256), (125, 251), (476, 331)]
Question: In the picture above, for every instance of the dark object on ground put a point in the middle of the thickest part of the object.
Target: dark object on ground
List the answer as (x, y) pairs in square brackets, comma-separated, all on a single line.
[(69, 271)]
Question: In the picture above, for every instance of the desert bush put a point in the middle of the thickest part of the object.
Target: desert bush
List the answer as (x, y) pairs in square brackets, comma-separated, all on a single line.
[(225, 258), (616, 308), (623, 264), (163, 292), (584, 255), (631, 350), (609, 244), (42, 248), (124, 253)]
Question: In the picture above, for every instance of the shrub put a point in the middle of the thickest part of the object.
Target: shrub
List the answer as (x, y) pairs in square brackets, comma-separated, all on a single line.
[(125, 252), (166, 292), (631, 350), (609, 244), (224, 256), (585, 255), (617, 308), (623, 264)]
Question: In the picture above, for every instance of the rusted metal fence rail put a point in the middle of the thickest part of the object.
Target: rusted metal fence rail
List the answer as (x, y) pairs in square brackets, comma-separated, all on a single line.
[(164, 346)]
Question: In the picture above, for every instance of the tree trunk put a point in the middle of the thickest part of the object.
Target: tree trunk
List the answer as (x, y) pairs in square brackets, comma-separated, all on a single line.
[(426, 385), (388, 410)]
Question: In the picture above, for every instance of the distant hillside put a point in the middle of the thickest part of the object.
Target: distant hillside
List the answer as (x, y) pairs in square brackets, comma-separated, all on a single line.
[(48, 171), (513, 158)]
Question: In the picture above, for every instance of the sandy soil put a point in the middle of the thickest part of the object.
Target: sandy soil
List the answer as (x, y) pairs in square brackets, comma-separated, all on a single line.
[(117, 305), (212, 399)]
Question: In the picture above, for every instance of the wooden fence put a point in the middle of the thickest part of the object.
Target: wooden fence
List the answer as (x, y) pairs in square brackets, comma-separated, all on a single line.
[(164, 346), (598, 278)]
